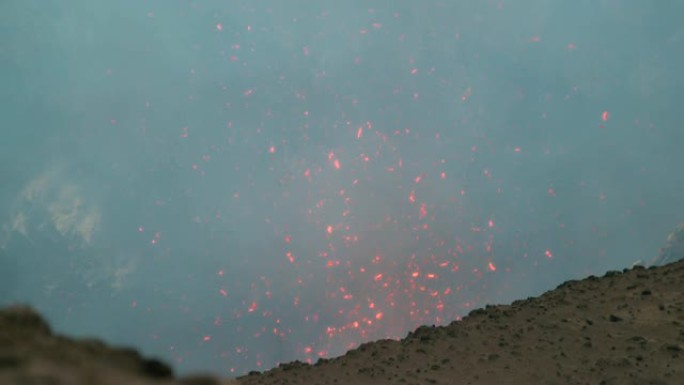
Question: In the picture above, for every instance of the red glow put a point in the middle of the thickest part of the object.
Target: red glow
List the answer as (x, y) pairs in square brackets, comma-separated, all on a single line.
[(360, 261), (605, 115), (252, 307)]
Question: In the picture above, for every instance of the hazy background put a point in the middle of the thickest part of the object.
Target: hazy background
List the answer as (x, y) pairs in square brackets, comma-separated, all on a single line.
[(232, 184)]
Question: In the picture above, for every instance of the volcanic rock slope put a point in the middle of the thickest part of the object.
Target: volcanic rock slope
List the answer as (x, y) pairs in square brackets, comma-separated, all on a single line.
[(623, 328), (31, 354)]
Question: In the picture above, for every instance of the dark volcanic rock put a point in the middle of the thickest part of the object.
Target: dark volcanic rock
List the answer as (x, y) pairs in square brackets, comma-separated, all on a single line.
[(31, 354)]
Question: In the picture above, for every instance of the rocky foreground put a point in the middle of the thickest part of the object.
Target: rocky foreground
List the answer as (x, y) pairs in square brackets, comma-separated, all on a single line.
[(31, 354), (623, 328)]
